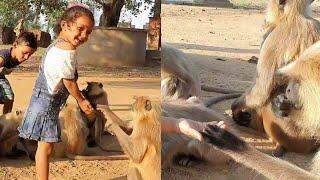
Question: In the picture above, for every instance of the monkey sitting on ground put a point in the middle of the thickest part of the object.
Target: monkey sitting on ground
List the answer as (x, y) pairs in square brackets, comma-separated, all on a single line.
[(76, 125), (282, 18), (302, 117), (9, 139), (179, 79), (143, 145), (283, 43)]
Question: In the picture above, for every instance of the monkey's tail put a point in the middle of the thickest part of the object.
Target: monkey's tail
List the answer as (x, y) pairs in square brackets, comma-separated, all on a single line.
[(219, 90), (92, 158), (218, 99)]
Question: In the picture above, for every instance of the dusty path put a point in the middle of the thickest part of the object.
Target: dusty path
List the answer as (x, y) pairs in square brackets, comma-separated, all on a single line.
[(219, 42)]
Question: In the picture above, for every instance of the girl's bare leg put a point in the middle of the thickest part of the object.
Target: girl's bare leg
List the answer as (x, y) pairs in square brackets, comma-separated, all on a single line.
[(43, 153)]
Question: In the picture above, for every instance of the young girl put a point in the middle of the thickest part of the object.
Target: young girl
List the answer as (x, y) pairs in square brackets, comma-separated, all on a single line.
[(57, 79)]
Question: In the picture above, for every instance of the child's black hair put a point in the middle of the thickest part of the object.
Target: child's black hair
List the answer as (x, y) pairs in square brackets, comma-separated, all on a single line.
[(71, 14), (27, 39)]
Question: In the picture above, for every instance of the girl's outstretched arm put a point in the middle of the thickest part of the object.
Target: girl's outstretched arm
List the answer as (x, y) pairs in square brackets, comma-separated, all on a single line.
[(73, 89)]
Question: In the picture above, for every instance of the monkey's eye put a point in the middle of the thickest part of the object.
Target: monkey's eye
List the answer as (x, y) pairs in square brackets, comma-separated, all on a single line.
[(282, 2)]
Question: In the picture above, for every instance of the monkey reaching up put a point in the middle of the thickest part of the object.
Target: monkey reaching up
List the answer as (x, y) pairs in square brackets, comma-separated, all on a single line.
[(143, 145)]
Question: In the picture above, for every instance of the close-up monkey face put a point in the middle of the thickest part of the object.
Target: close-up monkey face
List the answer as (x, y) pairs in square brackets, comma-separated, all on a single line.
[(94, 88), (288, 100), (141, 103)]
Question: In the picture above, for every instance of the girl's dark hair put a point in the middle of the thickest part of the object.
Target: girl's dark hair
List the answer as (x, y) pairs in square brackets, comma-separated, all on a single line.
[(71, 14), (28, 39)]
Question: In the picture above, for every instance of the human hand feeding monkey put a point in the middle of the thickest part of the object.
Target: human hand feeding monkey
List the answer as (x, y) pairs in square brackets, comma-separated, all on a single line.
[(187, 127)]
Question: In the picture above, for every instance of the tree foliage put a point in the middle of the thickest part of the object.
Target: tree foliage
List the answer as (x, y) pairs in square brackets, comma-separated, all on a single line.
[(30, 10), (111, 8), (12, 11)]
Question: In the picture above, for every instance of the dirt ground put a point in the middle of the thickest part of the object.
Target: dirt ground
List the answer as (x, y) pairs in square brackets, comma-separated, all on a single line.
[(121, 85), (220, 42)]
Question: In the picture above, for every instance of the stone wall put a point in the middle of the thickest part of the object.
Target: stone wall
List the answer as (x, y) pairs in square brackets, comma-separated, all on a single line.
[(114, 47)]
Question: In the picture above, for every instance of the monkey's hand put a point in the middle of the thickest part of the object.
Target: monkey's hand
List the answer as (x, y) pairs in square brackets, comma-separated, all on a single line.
[(240, 115), (109, 126), (192, 128), (223, 139), (5, 71), (105, 109)]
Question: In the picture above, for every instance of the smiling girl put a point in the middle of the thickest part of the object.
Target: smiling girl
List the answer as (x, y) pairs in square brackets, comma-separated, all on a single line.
[(56, 80)]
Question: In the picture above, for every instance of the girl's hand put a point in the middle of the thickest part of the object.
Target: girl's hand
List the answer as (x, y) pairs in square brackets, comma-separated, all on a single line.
[(192, 128), (86, 107)]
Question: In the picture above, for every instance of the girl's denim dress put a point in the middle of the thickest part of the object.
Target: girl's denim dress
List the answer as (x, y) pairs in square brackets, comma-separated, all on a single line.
[(41, 120)]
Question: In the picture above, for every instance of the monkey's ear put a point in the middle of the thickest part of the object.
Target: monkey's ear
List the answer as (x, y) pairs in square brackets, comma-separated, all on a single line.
[(100, 85), (148, 105)]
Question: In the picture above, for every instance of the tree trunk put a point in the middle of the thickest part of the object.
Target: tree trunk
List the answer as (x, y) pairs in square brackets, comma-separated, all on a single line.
[(48, 27), (111, 13), (37, 13), (157, 8)]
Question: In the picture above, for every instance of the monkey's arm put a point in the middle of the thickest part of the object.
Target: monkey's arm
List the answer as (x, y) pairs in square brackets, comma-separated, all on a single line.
[(264, 83), (105, 109), (241, 152), (268, 28), (258, 95), (135, 150)]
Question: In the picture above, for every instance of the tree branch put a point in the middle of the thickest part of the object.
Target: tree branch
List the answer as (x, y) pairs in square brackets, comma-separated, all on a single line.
[(100, 2), (104, 2)]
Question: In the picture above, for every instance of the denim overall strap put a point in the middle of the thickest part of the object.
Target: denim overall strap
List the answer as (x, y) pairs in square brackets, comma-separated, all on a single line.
[(41, 88)]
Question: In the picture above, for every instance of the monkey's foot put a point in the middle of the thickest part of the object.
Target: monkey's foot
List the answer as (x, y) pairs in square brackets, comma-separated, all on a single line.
[(187, 160), (279, 151), (244, 118), (92, 143)]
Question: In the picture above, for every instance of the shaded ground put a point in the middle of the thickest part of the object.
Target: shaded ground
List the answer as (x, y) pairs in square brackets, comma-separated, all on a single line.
[(220, 42)]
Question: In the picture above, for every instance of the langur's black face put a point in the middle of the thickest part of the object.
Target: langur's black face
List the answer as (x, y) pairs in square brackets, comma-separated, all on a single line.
[(292, 94), (287, 101)]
